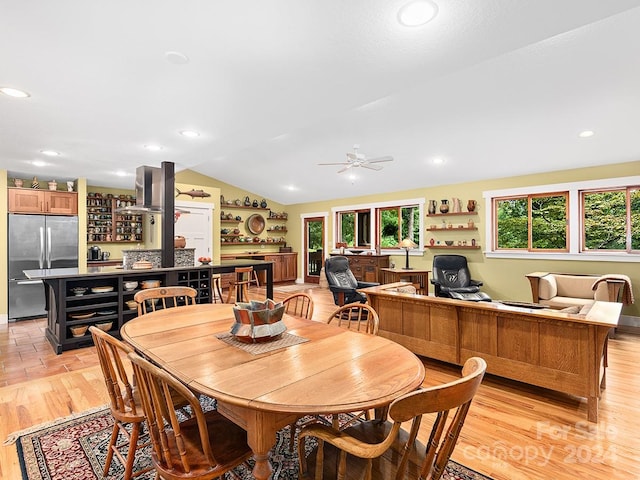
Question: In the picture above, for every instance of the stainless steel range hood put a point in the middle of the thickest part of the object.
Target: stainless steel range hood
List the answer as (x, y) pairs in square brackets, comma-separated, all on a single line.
[(148, 191)]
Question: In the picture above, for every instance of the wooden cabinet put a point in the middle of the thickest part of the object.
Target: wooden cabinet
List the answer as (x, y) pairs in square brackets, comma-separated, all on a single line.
[(105, 300), (366, 268), (284, 266), (31, 200), (106, 225)]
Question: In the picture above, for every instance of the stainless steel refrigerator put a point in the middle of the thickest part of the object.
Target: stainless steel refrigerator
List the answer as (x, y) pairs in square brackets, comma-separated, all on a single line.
[(37, 242)]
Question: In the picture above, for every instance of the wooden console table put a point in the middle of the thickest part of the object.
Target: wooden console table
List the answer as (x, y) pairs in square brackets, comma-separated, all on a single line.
[(560, 351), (418, 278)]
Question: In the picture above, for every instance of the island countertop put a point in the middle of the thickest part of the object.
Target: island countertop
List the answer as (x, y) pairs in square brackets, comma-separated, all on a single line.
[(92, 271)]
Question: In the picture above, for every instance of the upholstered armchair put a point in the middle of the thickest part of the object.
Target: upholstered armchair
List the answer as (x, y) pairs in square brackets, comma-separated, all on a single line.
[(451, 278), (342, 282)]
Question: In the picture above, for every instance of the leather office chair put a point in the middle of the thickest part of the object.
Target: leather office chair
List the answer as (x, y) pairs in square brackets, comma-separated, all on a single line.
[(397, 453), (342, 283), (451, 278)]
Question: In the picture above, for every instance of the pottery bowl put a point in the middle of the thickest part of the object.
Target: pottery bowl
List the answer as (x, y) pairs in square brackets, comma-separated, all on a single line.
[(79, 290), (448, 242), (130, 285), (105, 327), (79, 330), (150, 283), (258, 321), (132, 304)]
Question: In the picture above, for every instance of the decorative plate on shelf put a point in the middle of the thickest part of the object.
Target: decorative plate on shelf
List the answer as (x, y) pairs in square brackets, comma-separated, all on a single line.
[(106, 312), (82, 316), (255, 223), (102, 289)]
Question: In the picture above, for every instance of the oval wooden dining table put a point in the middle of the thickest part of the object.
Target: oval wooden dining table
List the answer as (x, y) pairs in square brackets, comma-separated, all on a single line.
[(332, 370)]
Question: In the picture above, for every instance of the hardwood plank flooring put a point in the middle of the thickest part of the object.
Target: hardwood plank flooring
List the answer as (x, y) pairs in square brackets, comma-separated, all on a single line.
[(513, 431)]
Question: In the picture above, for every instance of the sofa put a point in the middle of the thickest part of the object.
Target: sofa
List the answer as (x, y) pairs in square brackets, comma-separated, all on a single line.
[(569, 290)]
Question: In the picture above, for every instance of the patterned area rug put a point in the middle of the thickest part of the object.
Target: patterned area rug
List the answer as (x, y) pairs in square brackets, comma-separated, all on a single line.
[(75, 448)]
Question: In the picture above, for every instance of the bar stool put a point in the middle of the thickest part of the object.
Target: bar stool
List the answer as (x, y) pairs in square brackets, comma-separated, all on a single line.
[(240, 285), (216, 289)]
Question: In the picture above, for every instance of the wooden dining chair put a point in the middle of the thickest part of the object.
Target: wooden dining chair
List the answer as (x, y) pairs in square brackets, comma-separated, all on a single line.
[(125, 408), (239, 286), (299, 304), (353, 450), (216, 288), (205, 446), (360, 317), (152, 299)]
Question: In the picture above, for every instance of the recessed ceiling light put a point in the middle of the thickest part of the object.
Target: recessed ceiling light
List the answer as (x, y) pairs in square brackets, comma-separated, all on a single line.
[(189, 133), (39, 163), (417, 13), (586, 134), (176, 58), (153, 148), (121, 173), (14, 92), (438, 161), (50, 153)]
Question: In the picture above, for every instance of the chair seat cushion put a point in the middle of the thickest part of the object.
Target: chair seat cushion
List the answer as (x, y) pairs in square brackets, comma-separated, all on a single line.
[(474, 297)]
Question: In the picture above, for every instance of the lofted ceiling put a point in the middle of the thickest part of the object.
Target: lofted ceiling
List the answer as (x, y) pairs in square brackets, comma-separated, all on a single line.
[(494, 88)]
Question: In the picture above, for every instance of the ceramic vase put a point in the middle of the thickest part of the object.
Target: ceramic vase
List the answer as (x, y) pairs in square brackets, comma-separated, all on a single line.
[(444, 206), (18, 182), (35, 183), (471, 205), (432, 207)]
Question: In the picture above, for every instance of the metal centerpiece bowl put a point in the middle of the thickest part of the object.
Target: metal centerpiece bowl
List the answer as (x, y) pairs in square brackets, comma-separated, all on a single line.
[(258, 322)]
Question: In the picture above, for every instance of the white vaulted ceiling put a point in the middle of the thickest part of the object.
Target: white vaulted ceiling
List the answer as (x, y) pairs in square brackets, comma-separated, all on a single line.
[(493, 87)]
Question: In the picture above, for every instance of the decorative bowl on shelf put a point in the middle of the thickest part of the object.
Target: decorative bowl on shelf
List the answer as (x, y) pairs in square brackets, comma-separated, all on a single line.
[(102, 289), (356, 251), (78, 291), (150, 284), (132, 304), (79, 330), (258, 322), (105, 327), (448, 242), (130, 285)]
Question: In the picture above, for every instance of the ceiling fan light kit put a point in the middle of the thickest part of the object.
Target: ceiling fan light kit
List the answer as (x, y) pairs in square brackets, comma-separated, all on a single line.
[(357, 159)]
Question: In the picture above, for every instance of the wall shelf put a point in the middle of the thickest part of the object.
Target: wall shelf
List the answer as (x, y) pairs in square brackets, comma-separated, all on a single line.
[(450, 214), (459, 247)]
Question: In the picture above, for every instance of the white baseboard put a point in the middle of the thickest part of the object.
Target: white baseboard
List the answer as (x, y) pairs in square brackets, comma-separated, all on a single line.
[(4, 318)]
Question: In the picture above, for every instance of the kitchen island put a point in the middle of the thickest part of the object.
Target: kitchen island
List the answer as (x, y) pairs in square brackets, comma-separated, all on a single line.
[(78, 297)]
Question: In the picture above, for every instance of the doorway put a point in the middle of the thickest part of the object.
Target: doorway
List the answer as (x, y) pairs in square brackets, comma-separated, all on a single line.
[(196, 227), (314, 248)]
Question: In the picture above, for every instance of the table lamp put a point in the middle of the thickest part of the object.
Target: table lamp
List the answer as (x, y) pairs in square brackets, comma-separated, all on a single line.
[(407, 244)]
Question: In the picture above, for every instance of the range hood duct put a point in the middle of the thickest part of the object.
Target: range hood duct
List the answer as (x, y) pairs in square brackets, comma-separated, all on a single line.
[(148, 191)]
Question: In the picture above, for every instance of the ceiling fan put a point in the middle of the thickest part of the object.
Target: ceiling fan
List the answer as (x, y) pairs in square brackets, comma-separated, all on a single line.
[(357, 159)]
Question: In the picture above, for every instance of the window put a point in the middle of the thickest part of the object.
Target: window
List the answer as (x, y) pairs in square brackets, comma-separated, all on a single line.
[(533, 222), (397, 223), (611, 219), (596, 220), (394, 221)]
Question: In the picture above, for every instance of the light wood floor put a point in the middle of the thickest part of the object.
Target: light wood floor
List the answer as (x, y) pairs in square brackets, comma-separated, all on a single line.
[(512, 432)]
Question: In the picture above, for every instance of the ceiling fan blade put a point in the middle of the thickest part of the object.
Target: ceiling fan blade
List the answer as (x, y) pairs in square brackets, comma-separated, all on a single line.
[(381, 159), (345, 168), (352, 156), (372, 167), (337, 163)]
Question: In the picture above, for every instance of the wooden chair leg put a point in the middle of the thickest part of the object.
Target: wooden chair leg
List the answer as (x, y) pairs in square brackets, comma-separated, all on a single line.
[(112, 443), (232, 293)]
